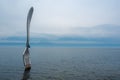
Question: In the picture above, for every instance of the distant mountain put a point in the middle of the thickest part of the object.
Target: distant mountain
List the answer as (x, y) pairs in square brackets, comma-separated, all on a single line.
[(99, 31), (101, 35)]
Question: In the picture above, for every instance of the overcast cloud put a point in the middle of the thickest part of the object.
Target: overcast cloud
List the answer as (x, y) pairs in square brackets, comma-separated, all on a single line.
[(61, 17)]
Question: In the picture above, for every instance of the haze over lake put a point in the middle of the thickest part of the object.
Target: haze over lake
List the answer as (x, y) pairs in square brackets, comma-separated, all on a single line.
[(69, 39)]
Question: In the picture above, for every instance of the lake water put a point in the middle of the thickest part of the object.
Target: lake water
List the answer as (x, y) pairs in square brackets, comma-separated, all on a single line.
[(61, 64)]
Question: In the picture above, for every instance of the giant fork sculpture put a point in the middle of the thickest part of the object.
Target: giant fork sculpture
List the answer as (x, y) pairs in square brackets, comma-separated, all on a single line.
[(26, 53)]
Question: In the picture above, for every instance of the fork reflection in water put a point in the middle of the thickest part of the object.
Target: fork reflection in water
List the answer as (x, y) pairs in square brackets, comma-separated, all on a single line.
[(26, 75)]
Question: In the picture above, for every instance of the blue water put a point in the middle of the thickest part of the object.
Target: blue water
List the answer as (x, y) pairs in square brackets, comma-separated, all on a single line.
[(49, 44), (61, 63)]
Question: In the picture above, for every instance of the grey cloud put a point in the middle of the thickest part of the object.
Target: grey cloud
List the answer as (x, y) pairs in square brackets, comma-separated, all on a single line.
[(105, 30)]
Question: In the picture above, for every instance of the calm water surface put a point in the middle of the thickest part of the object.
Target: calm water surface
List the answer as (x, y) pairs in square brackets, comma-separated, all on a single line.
[(61, 64)]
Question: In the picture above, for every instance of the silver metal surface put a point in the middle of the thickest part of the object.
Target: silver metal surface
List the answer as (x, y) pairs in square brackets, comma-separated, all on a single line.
[(26, 53)]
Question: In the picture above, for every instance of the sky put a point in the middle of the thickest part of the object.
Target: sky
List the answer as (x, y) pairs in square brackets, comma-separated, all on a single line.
[(80, 18)]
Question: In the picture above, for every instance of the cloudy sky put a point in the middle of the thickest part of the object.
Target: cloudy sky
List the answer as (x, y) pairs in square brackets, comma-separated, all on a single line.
[(82, 18)]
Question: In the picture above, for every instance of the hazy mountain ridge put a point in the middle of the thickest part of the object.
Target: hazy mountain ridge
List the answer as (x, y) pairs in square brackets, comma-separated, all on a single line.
[(98, 31), (76, 40)]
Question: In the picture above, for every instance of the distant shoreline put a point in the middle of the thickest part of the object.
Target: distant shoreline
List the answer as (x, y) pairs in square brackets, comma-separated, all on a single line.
[(62, 45)]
